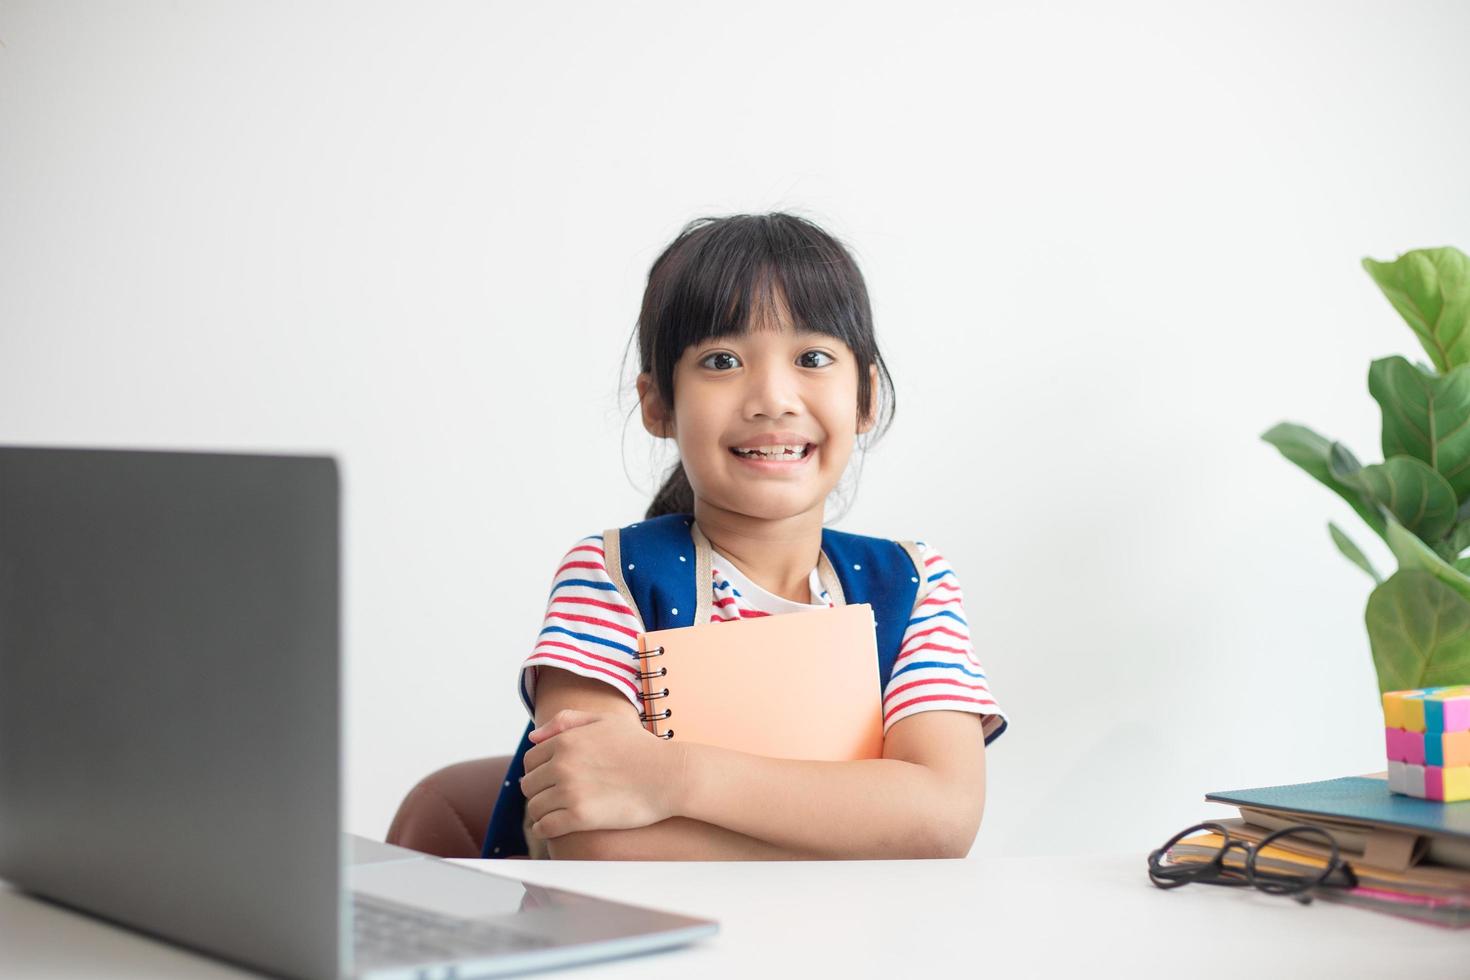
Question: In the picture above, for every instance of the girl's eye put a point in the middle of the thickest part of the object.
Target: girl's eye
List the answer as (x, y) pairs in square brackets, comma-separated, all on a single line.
[(818, 353), (719, 354)]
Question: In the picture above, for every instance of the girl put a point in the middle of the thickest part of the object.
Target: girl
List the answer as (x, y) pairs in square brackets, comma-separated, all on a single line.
[(758, 359)]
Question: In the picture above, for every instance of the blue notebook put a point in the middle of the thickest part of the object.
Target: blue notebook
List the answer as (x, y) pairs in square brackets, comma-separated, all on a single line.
[(1358, 798)]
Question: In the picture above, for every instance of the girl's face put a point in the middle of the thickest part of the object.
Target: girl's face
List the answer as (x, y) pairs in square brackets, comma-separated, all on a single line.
[(765, 422)]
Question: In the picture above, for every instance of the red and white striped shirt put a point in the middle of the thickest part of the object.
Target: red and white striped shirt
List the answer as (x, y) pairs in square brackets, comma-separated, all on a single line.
[(589, 630)]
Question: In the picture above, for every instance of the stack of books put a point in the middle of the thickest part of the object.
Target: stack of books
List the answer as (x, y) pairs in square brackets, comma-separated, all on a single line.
[(1411, 857)]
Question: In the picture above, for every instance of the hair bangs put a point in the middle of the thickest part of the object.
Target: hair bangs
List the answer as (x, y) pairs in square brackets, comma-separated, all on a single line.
[(725, 277)]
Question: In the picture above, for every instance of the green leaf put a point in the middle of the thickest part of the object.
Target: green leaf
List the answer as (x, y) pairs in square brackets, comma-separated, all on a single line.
[(1421, 499), (1462, 565), (1413, 493), (1460, 538), (1426, 417), (1419, 629), (1415, 554), (1354, 554), (1430, 287), (1312, 453), (1342, 464)]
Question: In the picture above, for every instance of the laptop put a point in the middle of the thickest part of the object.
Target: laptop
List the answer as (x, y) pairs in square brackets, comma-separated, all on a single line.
[(170, 732)]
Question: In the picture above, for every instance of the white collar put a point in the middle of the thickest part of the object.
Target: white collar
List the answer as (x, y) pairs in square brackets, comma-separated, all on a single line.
[(762, 599)]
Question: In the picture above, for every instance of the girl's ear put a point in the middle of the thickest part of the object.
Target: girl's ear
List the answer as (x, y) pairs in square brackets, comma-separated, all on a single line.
[(870, 418), (656, 417)]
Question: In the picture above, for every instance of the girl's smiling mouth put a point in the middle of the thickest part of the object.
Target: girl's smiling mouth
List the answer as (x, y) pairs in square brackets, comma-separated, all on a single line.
[(782, 451)]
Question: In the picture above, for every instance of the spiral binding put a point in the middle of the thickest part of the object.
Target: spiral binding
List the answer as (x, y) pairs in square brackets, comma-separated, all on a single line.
[(667, 713)]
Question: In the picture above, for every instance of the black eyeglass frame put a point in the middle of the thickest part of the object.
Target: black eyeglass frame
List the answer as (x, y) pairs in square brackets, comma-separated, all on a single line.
[(1215, 872)]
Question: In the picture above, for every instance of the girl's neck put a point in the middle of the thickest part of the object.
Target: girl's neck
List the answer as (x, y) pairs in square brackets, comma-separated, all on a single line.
[(778, 555)]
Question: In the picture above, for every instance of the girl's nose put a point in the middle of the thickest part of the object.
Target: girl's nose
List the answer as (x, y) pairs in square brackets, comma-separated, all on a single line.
[(773, 392)]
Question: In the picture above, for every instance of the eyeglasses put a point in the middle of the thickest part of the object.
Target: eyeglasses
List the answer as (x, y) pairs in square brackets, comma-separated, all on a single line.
[(1210, 865)]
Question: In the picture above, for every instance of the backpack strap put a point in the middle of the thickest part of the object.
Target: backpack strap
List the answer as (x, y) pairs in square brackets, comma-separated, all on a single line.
[(830, 580), (662, 563), (612, 553), (703, 565)]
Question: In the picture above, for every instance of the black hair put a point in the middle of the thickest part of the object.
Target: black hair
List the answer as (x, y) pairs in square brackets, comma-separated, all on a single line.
[(719, 274)]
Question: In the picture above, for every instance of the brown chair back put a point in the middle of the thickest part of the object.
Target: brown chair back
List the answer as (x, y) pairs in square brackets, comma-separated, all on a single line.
[(448, 812)]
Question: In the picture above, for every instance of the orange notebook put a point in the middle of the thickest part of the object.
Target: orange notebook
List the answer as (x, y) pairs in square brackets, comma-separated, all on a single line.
[(798, 685)]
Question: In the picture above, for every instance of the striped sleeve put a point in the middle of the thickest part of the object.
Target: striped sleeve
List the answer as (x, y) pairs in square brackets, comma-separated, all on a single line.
[(936, 667), (588, 628)]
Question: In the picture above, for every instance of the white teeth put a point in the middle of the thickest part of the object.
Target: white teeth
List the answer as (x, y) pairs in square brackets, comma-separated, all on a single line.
[(772, 452)]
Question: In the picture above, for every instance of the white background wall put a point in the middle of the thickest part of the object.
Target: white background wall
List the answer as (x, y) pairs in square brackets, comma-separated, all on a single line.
[(1108, 246)]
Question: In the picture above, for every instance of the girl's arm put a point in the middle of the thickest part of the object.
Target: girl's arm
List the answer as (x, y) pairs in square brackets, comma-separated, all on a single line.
[(923, 799), (674, 839), (597, 770)]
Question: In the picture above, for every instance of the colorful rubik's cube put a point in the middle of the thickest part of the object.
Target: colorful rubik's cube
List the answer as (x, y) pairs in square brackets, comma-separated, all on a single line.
[(1429, 742)]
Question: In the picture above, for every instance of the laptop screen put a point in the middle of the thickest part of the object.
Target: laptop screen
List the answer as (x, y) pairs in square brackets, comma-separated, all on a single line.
[(169, 696)]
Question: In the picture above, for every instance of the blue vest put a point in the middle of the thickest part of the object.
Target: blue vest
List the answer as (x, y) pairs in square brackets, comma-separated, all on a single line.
[(872, 570)]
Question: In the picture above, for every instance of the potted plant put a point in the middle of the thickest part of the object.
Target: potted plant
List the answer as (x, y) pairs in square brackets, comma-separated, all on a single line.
[(1418, 498)]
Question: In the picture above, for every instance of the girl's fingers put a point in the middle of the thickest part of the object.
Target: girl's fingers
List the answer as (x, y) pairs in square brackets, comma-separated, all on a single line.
[(536, 756), (535, 782), (561, 721), (554, 824), (543, 803)]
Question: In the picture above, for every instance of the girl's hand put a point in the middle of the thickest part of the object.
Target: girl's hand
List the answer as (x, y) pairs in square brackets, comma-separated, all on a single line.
[(599, 771)]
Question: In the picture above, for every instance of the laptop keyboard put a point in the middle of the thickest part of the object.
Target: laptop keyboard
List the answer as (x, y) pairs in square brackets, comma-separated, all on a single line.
[(385, 933)]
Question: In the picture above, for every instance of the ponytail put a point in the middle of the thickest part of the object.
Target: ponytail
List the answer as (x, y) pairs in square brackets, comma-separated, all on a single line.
[(676, 496)]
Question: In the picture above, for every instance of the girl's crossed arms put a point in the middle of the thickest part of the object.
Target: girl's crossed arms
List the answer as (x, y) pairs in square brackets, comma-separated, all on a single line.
[(600, 785)]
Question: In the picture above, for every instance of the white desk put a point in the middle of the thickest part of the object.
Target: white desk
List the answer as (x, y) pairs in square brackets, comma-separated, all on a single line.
[(891, 919)]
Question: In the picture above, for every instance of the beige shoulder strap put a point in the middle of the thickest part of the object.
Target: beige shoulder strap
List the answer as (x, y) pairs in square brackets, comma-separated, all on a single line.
[(704, 597), (613, 558), (830, 581), (703, 589)]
